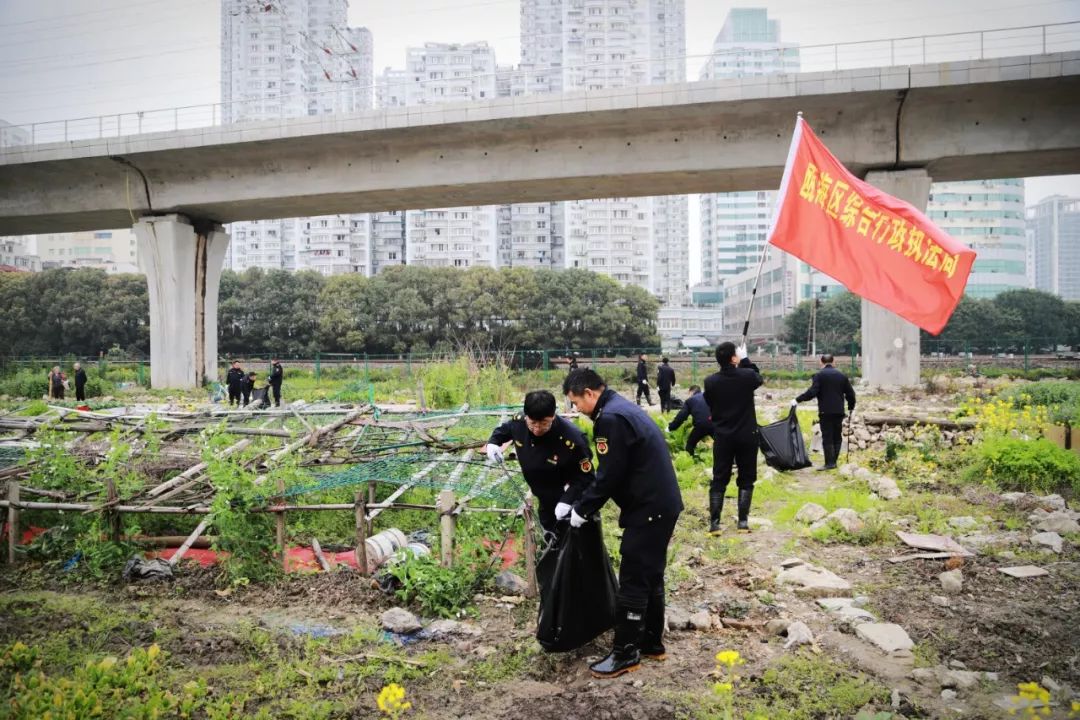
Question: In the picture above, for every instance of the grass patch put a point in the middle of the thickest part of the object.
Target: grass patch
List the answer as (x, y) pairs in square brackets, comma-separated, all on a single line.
[(804, 686)]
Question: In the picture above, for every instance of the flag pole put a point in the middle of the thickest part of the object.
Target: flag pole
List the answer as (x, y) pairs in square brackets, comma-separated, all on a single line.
[(776, 215)]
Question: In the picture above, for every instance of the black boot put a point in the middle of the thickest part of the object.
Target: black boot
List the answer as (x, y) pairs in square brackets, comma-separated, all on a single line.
[(624, 656), (652, 640), (716, 505), (745, 496), (831, 456)]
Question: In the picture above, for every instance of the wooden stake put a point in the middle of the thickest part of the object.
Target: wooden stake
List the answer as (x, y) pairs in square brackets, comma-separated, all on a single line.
[(361, 534), (530, 550), (112, 517), (317, 549), (13, 519), (199, 530), (445, 506), (280, 522), (371, 501)]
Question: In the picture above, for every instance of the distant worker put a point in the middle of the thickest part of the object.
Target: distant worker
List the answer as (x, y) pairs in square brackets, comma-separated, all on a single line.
[(573, 362), (643, 380), (729, 394), (665, 379), (553, 454), (277, 374), (635, 470), (831, 387), (696, 408), (56, 384), (80, 382), (234, 381), (247, 384)]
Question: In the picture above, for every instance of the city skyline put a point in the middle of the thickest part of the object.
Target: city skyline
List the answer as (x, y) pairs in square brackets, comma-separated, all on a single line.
[(96, 73)]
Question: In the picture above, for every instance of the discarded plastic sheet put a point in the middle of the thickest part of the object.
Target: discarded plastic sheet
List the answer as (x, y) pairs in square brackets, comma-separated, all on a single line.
[(934, 543), (1024, 571)]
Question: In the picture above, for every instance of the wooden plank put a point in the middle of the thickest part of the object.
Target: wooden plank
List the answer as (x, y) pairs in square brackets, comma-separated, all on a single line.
[(199, 530), (420, 475), (13, 520), (317, 549)]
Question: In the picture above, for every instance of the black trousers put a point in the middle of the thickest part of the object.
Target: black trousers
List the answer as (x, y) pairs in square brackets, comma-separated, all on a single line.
[(644, 558), (234, 395), (699, 433), (80, 392), (665, 399), (832, 435), (277, 394), (246, 395), (742, 453), (643, 390)]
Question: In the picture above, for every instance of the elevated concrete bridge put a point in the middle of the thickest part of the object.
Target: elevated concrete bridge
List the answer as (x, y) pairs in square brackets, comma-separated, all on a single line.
[(898, 126)]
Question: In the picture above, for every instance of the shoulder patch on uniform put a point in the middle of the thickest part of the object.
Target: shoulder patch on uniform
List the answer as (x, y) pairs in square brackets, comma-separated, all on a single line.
[(601, 445), (586, 466)]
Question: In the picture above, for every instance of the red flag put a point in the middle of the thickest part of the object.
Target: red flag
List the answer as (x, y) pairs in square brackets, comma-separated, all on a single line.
[(879, 247)]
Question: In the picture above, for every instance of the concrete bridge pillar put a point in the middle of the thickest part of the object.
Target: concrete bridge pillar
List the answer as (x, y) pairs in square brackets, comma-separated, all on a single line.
[(182, 261), (890, 344)]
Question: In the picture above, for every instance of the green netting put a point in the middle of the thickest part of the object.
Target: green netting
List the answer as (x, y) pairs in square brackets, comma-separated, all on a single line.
[(10, 456), (433, 470)]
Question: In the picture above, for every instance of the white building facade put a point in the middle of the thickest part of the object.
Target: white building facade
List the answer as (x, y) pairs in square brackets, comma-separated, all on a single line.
[(1054, 232), (295, 59), (989, 217)]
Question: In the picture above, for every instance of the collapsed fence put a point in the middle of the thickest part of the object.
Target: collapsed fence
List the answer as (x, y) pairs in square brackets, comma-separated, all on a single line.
[(333, 447)]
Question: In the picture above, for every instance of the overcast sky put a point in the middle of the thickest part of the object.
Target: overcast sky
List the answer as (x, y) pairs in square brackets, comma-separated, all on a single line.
[(63, 59)]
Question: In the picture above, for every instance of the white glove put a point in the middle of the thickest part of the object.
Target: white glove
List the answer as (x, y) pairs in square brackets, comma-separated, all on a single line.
[(794, 403), (645, 383), (740, 352), (562, 510), (576, 520), (494, 452)]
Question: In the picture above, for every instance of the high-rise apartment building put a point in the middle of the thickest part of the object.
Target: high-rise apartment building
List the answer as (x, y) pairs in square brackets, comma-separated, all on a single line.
[(988, 216), (1054, 231), (735, 226), (110, 250), (443, 73), (571, 45), (295, 59)]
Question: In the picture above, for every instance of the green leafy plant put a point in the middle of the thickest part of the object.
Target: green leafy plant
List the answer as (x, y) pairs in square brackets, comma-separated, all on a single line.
[(445, 592), (1010, 463)]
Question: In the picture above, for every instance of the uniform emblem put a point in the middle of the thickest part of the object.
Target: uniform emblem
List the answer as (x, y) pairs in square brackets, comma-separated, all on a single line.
[(601, 446), (586, 466), (554, 459)]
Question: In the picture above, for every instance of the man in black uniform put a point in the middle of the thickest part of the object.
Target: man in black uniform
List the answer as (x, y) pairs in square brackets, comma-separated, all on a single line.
[(665, 378), (277, 374), (831, 387), (80, 382), (643, 380), (247, 384), (634, 469), (730, 397), (234, 379), (696, 408), (554, 456)]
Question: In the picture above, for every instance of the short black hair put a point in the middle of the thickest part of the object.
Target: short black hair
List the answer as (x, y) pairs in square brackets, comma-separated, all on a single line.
[(578, 380), (724, 352), (251, 374), (663, 360), (827, 359), (539, 405), (694, 389)]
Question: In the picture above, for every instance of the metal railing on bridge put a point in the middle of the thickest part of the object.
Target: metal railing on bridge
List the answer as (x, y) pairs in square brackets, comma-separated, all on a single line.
[(354, 97)]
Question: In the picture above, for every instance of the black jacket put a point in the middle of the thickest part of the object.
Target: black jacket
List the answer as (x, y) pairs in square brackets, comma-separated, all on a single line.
[(831, 387), (695, 407), (277, 374), (642, 372), (665, 377), (557, 465), (80, 377), (729, 394), (633, 465), (246, 384), (234, 378)]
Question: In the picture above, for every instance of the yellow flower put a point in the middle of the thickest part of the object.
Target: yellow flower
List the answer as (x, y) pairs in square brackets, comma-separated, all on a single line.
[(722, 688), (728, 657), (392, 701)]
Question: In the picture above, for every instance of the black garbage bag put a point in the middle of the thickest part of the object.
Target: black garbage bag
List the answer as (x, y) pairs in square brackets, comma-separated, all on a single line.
[(578, 589), (782, 444)]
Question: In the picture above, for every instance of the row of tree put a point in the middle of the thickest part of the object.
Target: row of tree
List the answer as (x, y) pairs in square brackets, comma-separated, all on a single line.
[(404, 309), (1011, 321)]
